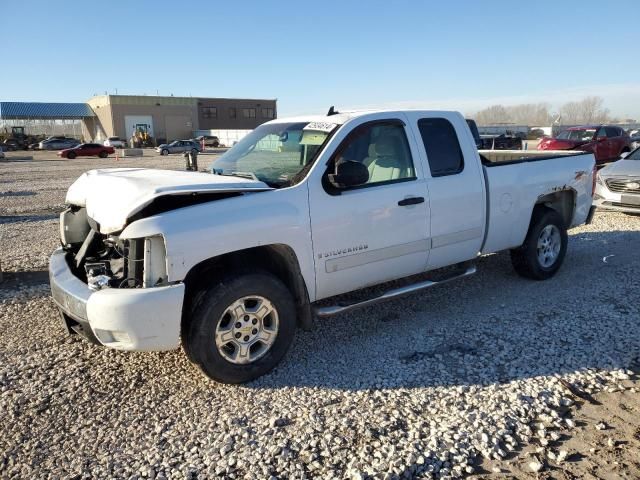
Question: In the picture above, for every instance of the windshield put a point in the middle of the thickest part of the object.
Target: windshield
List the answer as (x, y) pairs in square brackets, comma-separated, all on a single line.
[(635, 155), (275, 153), (582, 135)]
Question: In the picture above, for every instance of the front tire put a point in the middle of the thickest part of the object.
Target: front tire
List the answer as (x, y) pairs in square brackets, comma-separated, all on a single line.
[(240, 328), (543, 251), (71, 155), (164, 152)]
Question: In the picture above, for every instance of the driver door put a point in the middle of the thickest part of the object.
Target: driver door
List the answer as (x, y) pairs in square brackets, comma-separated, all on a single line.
[(377, 231)]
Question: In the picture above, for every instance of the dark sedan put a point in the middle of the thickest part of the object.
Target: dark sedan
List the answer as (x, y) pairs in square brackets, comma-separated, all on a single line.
[(87, 150)]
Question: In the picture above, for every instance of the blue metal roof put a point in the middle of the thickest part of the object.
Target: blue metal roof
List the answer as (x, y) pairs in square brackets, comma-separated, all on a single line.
[(33, 110)]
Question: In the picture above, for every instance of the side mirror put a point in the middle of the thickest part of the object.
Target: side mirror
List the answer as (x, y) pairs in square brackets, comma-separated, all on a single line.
[(349, 174)]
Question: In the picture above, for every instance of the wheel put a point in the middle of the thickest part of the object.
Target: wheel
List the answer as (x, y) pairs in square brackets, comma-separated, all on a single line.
[(164, 152), (544, 248), (71, 155), (216, 144), (103, 154), (240, 328)]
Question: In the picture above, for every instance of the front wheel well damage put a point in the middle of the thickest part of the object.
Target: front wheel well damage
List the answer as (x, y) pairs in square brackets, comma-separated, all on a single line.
[(279, 260)]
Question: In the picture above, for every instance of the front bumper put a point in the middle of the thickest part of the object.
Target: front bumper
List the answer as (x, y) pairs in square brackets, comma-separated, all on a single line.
[(140, 319), (622, 202)]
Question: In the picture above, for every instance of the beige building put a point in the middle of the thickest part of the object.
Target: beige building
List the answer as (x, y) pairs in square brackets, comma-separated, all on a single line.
[(171, 118)]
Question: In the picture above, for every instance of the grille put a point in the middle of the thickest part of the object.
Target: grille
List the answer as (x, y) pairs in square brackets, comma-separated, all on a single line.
[(620, 185)]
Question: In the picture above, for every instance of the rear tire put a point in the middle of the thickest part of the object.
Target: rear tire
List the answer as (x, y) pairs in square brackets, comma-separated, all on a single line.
[(240, 328), (103, 155), (542, 253)]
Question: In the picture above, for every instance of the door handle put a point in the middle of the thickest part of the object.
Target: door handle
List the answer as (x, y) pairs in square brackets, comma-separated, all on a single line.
[(411, 201)]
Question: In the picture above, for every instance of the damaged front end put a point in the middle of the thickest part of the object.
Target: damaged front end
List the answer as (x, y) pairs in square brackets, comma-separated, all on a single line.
[(108, 261)]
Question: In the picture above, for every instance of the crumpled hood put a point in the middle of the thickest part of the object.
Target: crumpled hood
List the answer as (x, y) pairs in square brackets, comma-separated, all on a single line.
[(560, 144), (113, 195), (622, 168)]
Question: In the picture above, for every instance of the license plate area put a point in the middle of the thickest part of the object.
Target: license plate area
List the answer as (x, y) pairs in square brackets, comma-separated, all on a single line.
[(630, 199)]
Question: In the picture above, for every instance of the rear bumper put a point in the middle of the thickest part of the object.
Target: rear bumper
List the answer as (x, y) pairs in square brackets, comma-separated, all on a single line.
[(140, 319)]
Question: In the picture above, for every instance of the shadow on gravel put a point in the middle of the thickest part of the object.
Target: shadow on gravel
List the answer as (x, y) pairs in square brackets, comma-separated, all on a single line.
[(30, 278), (23, 193), (4, 219), (492, 328)]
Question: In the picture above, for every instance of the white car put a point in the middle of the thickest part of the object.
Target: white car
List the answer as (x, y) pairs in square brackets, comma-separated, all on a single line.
[(229, 263), (114, 142)]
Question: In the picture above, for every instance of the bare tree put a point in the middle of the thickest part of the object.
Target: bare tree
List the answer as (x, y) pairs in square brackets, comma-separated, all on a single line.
[(524, 114), (492, 115), (587, 110)]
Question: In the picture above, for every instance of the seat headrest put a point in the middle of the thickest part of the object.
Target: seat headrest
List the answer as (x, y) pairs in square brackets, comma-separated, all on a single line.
[(388, 146)]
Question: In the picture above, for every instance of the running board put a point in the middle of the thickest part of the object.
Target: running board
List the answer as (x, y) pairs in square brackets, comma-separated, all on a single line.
[(391, 294)]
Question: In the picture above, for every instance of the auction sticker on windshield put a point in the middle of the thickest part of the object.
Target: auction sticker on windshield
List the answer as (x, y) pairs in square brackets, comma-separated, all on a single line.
[(320, 126)]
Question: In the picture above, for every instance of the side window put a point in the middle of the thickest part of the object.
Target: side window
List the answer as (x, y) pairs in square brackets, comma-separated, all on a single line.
[(442, 146), (602, 132), (383, 148), (612, 132)]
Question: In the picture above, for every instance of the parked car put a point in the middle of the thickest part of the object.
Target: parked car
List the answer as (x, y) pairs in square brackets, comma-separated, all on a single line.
[(209, 140), (229, 263), (114, 142), (87, 150), (606, 142), (58, 143), (178, 146), (634, 139), (618, 185)]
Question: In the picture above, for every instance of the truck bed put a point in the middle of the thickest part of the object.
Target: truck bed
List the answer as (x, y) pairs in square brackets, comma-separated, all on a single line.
[(492, 158), (521, 180)]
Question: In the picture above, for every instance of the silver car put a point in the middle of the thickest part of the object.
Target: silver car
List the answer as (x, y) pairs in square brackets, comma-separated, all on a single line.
[(618, 185), (177, 146), (58, 143)]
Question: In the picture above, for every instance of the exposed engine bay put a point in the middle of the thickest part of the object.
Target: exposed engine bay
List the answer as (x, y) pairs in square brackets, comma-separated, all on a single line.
[(106, 260)]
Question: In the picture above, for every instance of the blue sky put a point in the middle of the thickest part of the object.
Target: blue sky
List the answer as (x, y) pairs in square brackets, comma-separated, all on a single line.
[(309, 55)]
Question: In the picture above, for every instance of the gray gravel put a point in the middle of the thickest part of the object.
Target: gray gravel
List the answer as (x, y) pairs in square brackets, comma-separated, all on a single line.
[(417, 388)]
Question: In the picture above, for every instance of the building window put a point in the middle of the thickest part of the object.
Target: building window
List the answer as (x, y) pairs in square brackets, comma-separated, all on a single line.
[(249, 112), (267, 113), (209, 112), (232, 112)]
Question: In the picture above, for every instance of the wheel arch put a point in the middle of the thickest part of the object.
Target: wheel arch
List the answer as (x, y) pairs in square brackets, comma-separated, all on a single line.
[(278, 259), (562, 201)]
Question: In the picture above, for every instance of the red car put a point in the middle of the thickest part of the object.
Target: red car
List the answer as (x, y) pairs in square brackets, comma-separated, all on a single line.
[(606, 142), (86, 150)]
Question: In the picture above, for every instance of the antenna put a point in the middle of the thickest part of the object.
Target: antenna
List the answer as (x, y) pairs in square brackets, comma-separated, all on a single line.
[(332, 111)]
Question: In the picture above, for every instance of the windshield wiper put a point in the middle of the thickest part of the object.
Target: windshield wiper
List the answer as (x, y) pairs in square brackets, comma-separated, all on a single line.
[(249, 175)]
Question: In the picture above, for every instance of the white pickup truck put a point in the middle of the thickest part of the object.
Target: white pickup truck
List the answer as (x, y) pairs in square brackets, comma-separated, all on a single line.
[(228, 263)]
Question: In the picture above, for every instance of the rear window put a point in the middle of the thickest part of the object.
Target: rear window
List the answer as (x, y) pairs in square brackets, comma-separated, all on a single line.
[(441, 144)]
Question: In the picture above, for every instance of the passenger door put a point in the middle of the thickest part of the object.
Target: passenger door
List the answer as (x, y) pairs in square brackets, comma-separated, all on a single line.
[(377, 231), (616, 140), (456, 187)]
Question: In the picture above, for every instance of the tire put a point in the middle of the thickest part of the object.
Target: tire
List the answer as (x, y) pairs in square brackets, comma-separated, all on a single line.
[(164, 152), (216, 144), (103, 154), (540, 263), (213, 316), (71, 155)]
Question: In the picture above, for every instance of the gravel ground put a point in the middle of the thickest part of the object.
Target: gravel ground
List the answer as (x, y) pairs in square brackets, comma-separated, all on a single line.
[(462, 379)]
